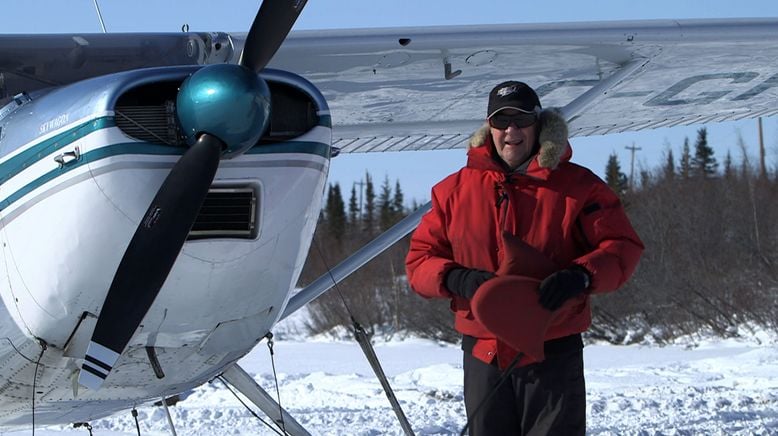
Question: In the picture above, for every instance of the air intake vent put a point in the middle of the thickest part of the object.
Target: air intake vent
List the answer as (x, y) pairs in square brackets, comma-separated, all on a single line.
[(154, 124), (227, 213), (148, 113)]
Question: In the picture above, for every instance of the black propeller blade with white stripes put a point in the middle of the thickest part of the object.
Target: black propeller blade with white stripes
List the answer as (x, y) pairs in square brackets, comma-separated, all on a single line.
[(150, 256), (161, 234)]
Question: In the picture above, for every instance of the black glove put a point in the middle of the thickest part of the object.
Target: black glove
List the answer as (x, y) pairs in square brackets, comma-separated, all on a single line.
[(561, 286), (465, 281)]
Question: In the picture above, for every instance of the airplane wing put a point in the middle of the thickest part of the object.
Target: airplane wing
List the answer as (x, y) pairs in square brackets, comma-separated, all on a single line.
[(425, 88), (32, 62)]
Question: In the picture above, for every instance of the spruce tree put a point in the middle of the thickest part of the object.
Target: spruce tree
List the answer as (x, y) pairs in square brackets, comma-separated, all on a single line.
[(745, 165), (668, 171), (613, 175), (369, 212), (323, 214), (703, 163), (685, 168), (353, 207), (729, 170), (335, 214), (398, 202), (385, 205)]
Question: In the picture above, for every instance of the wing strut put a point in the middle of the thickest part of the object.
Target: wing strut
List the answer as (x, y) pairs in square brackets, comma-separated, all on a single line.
[(367, 348), (352, 263), (588, 98), (345, 268), (243, 382)]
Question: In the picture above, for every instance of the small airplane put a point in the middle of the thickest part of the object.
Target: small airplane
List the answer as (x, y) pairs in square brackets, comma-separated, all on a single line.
[(159, 192)]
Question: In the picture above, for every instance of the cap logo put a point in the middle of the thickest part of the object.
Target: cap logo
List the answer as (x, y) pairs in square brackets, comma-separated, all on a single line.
[(502, 92)]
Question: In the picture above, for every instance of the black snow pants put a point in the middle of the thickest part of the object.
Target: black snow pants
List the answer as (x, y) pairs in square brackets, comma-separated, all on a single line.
[(546, 398)]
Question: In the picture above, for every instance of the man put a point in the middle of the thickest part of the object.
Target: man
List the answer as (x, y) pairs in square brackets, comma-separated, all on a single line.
[(520, 188)]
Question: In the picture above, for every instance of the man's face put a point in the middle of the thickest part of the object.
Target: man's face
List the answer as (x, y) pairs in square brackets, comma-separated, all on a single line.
[(514, 144)]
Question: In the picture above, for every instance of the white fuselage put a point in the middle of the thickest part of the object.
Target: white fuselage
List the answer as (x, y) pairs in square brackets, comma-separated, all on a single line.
[(63, 231)]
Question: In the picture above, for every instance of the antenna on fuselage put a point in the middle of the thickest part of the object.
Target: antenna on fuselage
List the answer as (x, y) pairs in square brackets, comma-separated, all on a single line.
[(99, 16)]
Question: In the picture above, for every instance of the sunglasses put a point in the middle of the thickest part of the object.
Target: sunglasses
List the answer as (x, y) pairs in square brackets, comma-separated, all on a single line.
[(501, 121)]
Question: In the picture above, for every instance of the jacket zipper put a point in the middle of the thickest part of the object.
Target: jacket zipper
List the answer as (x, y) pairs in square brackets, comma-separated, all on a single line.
[(502, 203), (502, 200)]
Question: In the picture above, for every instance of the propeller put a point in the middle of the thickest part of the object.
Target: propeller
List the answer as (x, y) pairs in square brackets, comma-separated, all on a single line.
[(273, 22), (150, 256), (223, 110)]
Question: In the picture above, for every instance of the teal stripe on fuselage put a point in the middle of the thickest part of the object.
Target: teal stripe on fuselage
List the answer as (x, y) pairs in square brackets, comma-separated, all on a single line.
[(128, 148), (86, 158), (33, 154)]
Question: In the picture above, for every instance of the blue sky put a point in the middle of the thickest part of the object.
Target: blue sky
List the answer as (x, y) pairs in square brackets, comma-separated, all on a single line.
[(417, 171)]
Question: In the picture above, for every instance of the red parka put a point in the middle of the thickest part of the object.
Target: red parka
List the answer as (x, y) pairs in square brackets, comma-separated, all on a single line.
[(559, 208)]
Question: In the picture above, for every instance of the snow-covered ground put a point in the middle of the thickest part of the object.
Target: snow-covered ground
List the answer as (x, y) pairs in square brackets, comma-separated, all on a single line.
[(715, 387)]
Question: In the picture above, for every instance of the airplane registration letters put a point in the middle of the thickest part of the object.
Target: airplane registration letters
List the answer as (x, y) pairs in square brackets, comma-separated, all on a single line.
[(665, 98), (669, 97)]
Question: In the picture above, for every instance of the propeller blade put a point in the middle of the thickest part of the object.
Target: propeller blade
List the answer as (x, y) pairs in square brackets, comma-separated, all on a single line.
[(150, 257), (269, 29)]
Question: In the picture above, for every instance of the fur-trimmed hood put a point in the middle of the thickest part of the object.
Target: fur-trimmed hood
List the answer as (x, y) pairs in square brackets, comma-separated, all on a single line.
[(552, 137)]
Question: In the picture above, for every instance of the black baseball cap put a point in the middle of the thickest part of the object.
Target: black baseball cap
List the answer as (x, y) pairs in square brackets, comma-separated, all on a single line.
[(513, 95)]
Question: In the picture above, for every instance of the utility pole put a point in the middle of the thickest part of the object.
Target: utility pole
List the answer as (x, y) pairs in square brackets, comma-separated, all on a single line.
[(633, 149)]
